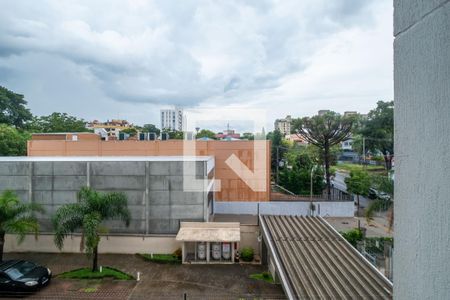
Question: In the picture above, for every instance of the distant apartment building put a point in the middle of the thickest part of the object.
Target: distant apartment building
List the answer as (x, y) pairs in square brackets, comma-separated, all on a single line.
[(283, 125), (109, 129), (323, 111), (350, 113), (172, 119)]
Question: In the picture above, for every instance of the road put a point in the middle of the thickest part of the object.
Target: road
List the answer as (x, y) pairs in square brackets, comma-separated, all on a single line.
[(339, 183)]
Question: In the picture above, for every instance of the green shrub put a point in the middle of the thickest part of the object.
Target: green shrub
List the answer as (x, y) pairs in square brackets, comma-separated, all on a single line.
[(266, 275), (178, 253), (86, 273), (162, 258), (247, 254), (353, 236)]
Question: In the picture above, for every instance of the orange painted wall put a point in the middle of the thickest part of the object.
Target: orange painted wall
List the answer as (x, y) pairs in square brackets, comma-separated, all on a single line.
[(232, 187)]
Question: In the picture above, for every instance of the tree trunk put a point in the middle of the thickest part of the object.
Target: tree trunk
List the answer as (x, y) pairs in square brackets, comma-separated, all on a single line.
[(327, 169), (388, 161), (2, 243), (95, 259)]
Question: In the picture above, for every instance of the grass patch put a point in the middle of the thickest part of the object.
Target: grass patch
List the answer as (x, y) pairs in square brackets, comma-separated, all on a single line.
[(162, 258), (355, 167), (264, 276), (90, 290), (86, 273)]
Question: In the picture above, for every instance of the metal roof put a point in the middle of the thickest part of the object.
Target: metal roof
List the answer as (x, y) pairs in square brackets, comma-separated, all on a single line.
[(209, 232), (315, 262)]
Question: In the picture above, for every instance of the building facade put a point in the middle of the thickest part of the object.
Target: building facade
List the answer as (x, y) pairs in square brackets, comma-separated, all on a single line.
[(110, 128), (254, 155), (283, 125), (161, 191), (172, 119)]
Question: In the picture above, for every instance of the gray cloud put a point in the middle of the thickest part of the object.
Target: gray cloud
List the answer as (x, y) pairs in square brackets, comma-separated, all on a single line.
[(164, 52)]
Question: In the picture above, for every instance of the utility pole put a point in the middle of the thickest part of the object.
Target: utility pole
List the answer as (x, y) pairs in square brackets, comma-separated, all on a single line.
[(364, 151), (278, 162)]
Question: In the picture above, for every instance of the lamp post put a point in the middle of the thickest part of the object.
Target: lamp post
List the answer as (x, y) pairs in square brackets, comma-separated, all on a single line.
[(311, 189)]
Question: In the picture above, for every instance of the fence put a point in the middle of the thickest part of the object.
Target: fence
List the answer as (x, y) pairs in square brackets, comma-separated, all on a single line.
[(299, 208)]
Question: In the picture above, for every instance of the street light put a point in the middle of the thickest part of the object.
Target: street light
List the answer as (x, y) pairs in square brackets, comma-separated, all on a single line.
[(311, 188)]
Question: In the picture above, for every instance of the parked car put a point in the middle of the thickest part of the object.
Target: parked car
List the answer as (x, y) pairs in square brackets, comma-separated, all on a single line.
[(374, 194), (22, 277)]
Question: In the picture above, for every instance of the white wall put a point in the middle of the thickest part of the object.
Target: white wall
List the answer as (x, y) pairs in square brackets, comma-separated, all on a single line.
[(422, 149), (110, 244), (332, 209)]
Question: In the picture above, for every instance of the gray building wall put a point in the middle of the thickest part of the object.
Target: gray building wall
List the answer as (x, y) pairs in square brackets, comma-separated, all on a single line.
[(422, 144), (154, 189)]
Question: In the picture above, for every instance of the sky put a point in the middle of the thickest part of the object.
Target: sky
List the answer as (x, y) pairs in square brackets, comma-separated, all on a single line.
[(129, 59)]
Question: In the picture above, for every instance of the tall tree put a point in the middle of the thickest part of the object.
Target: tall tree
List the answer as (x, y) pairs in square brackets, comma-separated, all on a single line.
[(359, 184), (382, 184), (378, 131), (324, 132), (151, 128), (248, 136), (13, 109), (295, 175), (206, 133), (87, 215), (12, 141), (16, 218), (58, 122)]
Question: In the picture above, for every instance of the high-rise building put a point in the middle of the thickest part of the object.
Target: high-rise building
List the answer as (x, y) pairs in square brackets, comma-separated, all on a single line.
[(284, 125), (172, 119)]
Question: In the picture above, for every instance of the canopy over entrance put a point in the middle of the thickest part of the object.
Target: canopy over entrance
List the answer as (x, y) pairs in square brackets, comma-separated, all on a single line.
[(209, 232)]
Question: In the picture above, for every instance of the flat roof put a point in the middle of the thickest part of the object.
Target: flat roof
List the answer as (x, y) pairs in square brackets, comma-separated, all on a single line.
[(209, 232), (104, 158), (316, 262)]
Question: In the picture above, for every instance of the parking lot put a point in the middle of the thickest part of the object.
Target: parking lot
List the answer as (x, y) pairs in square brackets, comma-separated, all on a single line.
[(157, 281)]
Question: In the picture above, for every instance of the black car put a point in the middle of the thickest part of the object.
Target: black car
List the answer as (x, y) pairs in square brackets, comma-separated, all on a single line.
[(22, 277)]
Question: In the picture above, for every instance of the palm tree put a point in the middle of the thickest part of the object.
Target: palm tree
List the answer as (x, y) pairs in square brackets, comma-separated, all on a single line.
[(16, 218), (87, 215)]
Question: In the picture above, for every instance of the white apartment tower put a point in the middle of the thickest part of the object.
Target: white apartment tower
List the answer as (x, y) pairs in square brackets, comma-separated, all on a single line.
[(284, 125), (172, 119)]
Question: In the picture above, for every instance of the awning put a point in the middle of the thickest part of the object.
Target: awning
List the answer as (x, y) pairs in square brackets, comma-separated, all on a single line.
[(209, 232)]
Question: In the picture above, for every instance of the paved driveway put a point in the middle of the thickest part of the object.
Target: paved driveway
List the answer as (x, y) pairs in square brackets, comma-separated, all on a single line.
[(158, 281)]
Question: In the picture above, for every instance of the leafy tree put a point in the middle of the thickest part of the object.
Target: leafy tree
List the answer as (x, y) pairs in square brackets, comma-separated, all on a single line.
[(87, 215), (57, 122), (131, 131), (324, 132), (378, 131), (206, 133), (296, 176), (174, 134), (248, 136), (359, 184), (13, 109), (278, 149), (386, 185), (353, 236), (12, 141), (151, 128), (16, 218)]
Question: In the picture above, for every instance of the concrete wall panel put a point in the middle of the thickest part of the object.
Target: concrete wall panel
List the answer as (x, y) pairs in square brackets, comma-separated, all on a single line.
[(118, 182), (14, 182), (69, 168), (117, 168), (14, 168)]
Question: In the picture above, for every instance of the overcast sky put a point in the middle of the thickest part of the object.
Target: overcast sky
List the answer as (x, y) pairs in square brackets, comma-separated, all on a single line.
[(128, 59)]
